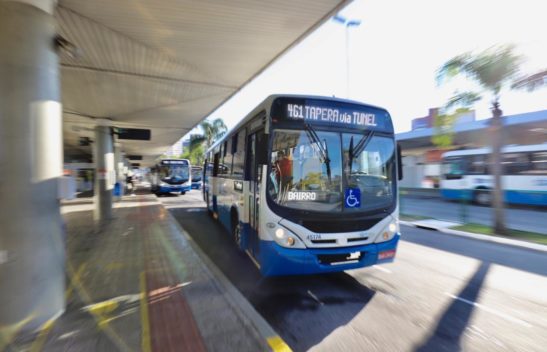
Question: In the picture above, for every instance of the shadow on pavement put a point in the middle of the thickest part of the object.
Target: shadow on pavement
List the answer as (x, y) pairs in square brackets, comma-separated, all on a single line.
[(455, 319), (289, 303), (514, 257)]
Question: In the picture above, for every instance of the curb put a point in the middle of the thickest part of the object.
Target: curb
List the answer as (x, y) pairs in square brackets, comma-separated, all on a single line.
[(251, 318), (481, 237)]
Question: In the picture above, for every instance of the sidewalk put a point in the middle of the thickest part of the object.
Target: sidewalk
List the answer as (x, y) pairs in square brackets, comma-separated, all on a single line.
[(446, 227), (140, 284)]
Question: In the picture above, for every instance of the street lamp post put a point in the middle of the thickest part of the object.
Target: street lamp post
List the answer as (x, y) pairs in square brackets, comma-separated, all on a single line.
[(347, 24)]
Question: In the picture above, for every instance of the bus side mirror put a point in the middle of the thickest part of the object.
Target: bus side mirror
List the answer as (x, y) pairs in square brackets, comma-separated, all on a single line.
[(399, 163)]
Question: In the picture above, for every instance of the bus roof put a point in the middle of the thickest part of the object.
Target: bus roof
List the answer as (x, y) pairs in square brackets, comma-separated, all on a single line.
[(505, 149), (266, 104)]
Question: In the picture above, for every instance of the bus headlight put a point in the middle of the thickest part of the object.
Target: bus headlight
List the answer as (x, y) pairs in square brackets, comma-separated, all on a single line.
[(389, 231), (287, 238)]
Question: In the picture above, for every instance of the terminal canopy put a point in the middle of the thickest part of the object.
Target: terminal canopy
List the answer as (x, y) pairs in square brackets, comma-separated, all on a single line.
[(164, 65)]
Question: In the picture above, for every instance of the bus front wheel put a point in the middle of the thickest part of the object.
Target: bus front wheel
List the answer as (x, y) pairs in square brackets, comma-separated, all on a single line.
[(236, 234), (483, 197)]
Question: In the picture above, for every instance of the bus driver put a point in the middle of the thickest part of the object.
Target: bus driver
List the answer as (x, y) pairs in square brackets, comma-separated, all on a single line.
[(283, 168)]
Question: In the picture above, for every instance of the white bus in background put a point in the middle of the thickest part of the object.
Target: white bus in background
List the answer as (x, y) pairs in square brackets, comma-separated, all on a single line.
[(308, 185), (466, 175), (171, 176)]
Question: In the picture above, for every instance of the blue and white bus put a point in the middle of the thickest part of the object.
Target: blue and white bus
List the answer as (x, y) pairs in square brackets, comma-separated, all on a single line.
[(171, 176), (197, 174), (466, 175), (308, 185)]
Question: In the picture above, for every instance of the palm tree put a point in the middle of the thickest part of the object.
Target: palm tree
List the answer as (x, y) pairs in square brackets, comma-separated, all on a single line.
[(444, 121), (532, 82), (212, 130), (493, 70)]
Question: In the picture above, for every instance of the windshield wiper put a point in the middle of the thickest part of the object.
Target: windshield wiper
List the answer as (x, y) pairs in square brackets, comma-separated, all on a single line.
[(323, 150), (353, 152)]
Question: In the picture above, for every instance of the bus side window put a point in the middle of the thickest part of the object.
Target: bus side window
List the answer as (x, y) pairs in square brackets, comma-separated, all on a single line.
[(399, 162), (477, 165), (226, 168), (239, 155), (539, 163), (215, 164)]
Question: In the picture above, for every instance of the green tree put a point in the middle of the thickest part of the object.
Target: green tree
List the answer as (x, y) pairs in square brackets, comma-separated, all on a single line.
[(443, 122), (493, 70), (212, 130), (195, 154)]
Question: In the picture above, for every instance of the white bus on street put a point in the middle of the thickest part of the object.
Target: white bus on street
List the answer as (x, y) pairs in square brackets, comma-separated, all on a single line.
[(171, 176), (308, 185), (466, 175)]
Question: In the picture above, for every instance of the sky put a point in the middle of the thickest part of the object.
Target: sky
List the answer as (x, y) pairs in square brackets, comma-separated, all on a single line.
[(394, 54)]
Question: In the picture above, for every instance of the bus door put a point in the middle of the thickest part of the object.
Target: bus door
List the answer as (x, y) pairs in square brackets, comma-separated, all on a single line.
[(254, 177)]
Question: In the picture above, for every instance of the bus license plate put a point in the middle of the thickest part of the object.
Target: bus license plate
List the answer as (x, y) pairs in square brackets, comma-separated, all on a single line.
[(354, 256)]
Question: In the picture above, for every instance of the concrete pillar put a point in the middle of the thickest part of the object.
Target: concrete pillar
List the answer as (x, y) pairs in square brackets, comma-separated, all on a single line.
[(32, 248), (104, 171)]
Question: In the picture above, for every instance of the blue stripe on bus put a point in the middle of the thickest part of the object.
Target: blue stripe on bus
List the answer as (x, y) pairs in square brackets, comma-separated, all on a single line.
[(513, 197), (531, 198), (276, 260), (245, 234), (457, 194), (224, 216), (215, 207)]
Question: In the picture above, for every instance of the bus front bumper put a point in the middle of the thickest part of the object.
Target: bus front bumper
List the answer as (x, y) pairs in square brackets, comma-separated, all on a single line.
[(173, 188), (276, 260)]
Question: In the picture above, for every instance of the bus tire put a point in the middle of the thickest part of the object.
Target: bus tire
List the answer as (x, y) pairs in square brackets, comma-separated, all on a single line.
[(483, 196), (207, 204), (182, 193), (236, 231)]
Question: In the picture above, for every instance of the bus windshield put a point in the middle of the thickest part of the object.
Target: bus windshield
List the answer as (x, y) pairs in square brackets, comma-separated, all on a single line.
[(174, 173), (196, 174), (312, 171)]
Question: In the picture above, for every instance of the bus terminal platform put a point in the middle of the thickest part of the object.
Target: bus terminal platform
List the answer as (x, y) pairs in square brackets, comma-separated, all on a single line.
[(139, 283)]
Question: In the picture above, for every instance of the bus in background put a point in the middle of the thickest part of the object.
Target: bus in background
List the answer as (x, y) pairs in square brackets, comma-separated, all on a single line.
[(171, 176), (206, 186), (308, 185), (196, 173), (466, 175)]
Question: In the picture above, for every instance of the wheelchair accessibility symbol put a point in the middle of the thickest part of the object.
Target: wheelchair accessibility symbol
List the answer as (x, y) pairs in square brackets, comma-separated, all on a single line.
[(352, 198)]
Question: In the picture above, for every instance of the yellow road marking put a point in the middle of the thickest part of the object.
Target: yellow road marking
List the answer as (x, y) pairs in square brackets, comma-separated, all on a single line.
[(102, 308), (75, 278), (100, 320), (145, 341), (113, 266), (8, 333), (39, 342), (278, 345)]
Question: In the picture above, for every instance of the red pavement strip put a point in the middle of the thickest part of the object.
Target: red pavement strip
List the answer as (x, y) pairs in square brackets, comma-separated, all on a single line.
[(172, 324)]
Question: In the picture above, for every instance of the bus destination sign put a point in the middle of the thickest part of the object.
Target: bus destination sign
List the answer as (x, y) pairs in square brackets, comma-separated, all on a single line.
[(174, 162), (333, 113)]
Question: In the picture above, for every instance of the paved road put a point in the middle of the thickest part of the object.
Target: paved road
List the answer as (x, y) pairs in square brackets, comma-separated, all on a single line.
[(517, 218), (443, 293)]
